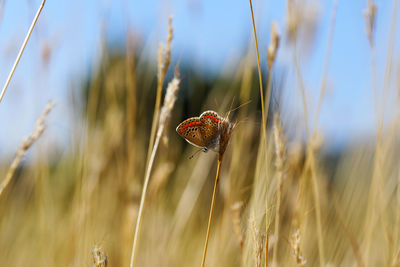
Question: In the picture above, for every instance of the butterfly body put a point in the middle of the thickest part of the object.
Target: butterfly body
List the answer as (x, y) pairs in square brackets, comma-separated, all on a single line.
[(204, 131)]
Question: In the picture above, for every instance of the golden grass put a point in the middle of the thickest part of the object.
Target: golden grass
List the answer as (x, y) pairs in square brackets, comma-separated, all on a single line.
[(278, 194)]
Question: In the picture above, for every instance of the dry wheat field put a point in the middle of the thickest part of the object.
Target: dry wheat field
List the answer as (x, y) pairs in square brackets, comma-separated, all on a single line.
[(103, 175)]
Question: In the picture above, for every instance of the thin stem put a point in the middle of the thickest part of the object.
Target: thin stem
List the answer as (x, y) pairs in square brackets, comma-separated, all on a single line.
[(325, 72), (375, 186), (163, 65), (264, 130), (269, 85), (169, 102), (21, 50), (155, 117), (353, 241), (160, 82), (144, 191), (311, 152), (317, 208), (302, 89), (310, 162), (397, 221), (211, 211), (277, 216), (259, 72)]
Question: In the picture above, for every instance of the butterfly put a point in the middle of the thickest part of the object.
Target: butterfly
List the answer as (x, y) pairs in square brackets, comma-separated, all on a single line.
[(209, 131)]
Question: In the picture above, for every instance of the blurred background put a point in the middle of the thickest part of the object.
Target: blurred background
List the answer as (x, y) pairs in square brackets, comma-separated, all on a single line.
[(70, 37), (80, 185)]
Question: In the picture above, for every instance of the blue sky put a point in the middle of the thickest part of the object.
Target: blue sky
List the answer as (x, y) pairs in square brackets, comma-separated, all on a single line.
[(210, 33)]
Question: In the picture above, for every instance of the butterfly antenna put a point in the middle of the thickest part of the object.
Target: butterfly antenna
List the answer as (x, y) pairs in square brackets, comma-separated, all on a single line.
[(230, 108), (241, 105), (192, 156)]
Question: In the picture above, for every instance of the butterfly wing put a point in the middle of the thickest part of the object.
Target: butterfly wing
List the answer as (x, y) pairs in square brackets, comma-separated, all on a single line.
[(190, 130), (210, 121)]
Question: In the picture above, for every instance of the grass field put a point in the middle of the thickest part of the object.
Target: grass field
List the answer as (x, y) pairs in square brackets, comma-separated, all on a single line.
[(283, 199)]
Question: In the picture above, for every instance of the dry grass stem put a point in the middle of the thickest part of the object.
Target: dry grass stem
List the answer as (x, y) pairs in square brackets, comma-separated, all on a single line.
[(99, 258), (273, 46), (397, 220), (257, 242), (396, 260), (259, 75), (370, 16), (301, 20), (264, 130), (164, 60), (25, 145), (225, 132), (236, 209), (279, 163), (370, 20), (293, 17), (378, 178), (315, 187), (302, 90), (169, 102), (310, 163), (353, 241), (295, 245), (312, 142), (210, 217), (326, 64), (389, 62), (28, 35), (272, 50)]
